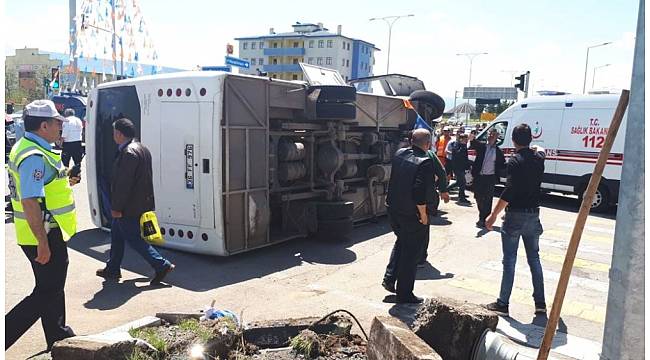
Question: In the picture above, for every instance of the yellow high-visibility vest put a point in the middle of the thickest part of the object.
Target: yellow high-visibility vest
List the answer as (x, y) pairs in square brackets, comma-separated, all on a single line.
[(58, 201)]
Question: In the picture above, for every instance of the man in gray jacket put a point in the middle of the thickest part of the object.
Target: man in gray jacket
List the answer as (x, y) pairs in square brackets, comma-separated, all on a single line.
[(131, 196)]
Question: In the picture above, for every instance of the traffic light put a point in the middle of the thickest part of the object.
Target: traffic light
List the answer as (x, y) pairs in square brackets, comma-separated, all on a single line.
[(55, 78), (521, 84)]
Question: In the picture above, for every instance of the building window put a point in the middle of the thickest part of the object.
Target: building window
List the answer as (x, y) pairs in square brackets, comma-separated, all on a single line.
[(275, 76), (275, 45), (245, 46), (330, 43), (261, 44), (253, 45), (342, 62), (253, 61), (275, 61), (319, 61), (295, 61), (348, 46), (347, 63), (346, 78), (295, 44), (310, 60), (311, 43), (261, 61), (321, 43), (344, 45), (328, 61), (294, 76)]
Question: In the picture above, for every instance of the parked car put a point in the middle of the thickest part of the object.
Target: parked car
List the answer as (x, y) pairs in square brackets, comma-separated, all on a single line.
[(76, 102)]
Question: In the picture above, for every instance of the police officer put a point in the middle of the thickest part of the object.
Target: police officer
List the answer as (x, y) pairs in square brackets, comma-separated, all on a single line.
[(44, 219), (410, 188)]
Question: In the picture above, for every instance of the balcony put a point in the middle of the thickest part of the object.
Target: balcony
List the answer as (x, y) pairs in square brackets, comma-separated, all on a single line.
[(284, 51), (282, 68)]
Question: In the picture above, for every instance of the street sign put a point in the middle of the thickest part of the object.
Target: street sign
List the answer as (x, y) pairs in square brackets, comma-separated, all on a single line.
[(480, 92), (237, 62), (487, 101), (216, 68)]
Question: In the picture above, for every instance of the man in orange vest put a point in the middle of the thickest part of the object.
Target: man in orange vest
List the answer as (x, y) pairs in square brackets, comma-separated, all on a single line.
[(441, 150)]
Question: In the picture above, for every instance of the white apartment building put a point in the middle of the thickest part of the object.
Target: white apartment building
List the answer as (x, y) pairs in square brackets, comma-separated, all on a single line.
[(278, 54)]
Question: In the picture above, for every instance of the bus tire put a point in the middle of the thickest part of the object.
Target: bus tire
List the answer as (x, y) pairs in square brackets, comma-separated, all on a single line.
[(334, 230), (335, 210)]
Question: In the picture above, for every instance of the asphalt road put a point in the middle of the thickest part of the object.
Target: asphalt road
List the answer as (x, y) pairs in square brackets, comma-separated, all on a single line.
[(306, 277)]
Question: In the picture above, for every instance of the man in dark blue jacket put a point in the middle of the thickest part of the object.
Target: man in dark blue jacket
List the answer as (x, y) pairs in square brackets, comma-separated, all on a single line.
[(460, 163)]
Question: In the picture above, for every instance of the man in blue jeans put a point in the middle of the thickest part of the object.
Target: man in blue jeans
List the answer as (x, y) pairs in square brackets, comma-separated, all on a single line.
[(520, 199), (131, 196)]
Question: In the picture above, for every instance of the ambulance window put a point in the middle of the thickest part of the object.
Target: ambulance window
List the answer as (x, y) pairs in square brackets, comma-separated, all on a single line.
[(501, 128)]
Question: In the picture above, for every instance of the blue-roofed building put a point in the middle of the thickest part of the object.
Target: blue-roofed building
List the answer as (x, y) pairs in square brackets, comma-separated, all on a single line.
[(278, 54)]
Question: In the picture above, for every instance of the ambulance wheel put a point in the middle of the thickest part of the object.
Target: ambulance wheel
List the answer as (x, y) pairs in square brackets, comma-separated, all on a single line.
[(600, 202)]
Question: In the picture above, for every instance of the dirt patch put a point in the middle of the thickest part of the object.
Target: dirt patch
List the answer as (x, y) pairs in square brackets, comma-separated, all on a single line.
[(215, 338), (221, 339)]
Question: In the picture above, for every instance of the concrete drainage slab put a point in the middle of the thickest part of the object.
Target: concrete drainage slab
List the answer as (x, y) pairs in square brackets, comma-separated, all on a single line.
[(270, 338)]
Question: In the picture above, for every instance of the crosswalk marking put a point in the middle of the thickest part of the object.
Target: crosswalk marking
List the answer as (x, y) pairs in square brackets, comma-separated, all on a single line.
[(577, 263), (585, 311), (584, 248), (565, 235), (596, 229), (574, 281)]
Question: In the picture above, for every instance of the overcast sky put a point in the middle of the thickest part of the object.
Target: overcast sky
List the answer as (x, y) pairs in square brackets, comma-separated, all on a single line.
[(549, 38)]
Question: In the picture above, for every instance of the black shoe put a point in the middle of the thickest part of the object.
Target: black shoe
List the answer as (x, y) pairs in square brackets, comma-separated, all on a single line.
[(480, 224), (389, 286), (160, 275), (422, 265), (498, 308), (540, 308), (108, 276), (409, 299)]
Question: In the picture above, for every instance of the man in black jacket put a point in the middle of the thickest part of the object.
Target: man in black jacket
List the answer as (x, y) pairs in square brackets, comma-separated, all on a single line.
[(485, 171), (460, 163), (410, 188), (131, 196), (520, 199)]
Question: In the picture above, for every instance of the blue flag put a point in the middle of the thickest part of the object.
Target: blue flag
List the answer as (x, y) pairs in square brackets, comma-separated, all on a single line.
[(421, 124)]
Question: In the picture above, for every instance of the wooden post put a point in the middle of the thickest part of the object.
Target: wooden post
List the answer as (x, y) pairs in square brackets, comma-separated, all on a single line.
[(587, 199)]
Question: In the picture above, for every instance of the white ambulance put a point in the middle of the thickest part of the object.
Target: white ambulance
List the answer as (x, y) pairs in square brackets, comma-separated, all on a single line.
[(572, 129)]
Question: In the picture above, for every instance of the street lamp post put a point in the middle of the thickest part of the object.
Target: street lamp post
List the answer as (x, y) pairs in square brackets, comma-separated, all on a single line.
[(390, 20), (593, 78), (584, 82), (471, 57)]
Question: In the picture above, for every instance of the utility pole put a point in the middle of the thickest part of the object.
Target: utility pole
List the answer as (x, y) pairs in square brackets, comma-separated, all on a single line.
[(624, 335), (390, 20), (72, 7), (584, 83), (471, 57), (593, 78)]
